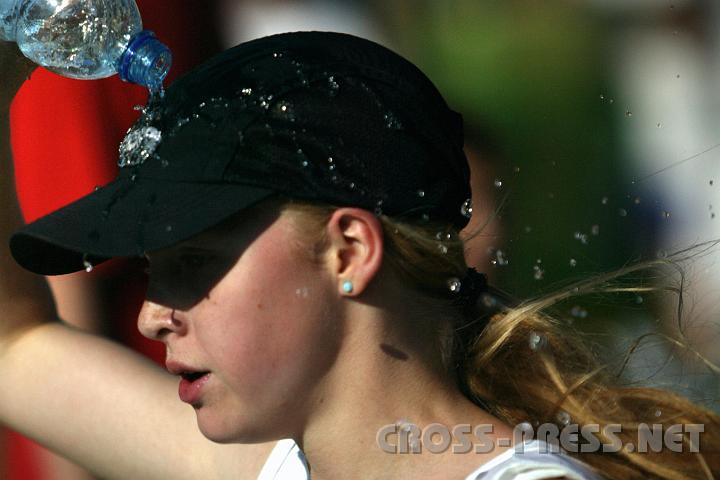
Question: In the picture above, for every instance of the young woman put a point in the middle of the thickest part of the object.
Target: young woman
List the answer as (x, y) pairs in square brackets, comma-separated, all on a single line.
[(299, 199)]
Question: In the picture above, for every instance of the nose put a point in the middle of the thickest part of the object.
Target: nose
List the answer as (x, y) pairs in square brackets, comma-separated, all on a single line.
[(156, 321)]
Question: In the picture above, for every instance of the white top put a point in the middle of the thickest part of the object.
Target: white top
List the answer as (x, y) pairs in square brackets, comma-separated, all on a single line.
[(535, 462)]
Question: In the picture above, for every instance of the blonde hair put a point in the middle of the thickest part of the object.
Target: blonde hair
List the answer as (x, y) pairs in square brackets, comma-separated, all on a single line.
[(523, 365)]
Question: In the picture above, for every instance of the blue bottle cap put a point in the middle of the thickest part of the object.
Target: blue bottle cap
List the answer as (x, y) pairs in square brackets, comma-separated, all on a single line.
[(146, 61)]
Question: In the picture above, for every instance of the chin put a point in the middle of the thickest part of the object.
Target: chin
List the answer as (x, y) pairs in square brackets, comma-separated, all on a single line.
[(223, 431)]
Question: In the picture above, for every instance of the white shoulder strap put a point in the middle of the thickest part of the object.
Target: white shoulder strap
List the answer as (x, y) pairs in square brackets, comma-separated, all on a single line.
[(536, 462), (285, 462)]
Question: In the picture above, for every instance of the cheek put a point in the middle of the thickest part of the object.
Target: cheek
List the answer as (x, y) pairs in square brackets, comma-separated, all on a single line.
[(277, 327)]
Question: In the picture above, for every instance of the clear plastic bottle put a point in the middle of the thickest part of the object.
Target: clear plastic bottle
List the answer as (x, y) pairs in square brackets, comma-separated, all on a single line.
[(86, 39)]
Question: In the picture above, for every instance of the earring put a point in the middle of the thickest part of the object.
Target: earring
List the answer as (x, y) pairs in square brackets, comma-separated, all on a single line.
[(347, 286)]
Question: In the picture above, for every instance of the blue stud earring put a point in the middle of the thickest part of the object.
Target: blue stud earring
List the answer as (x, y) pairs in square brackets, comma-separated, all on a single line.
[(347, 286)]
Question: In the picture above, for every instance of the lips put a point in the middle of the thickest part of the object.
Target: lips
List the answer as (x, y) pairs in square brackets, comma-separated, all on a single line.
[(191, 386), (191, 382)]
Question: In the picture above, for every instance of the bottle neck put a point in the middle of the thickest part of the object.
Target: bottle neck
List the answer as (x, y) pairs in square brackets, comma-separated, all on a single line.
[(9, 10), (146, 61)]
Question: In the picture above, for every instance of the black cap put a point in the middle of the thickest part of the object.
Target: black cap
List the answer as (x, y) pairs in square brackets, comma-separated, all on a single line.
[(316, 116)]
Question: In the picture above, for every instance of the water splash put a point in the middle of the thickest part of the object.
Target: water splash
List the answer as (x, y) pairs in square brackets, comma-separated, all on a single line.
[(536, 341), (466, 209)]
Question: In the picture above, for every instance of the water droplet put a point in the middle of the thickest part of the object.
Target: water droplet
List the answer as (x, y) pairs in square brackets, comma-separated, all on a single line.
[(677, 76), (628, 113), (421, 193), (164, 163), (612, 100), (666, 214), (169, 228), (528, 229), (500, 259), (497, 183), (516, 169), (711, 183), (97, 187), (334, 86), (454, 285), (86, 264), (277, 55), (488, 300), (712, 215), (595, 230), (466, 209), (392, 122), (622, 212), (425, 217), (352, 185), (604, 200), (305, 163), (636, 200), (538, 261), (563, 418), (659, 125), (602, 97), (536, 341), (246, 91), (581, 237), (658, 413), (573, 262), (442, 248), (539, 273)]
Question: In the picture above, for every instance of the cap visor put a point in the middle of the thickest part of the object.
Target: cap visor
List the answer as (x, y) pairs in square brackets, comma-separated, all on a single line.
[(126, 218)]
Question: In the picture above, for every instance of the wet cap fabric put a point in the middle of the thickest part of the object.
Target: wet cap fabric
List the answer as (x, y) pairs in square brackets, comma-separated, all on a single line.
[(316, 116)]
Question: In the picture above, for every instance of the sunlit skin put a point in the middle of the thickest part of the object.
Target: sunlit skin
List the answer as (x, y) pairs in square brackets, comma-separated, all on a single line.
[(293, 355)]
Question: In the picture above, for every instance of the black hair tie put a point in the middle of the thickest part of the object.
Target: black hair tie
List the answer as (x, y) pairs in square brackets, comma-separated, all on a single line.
[(472, 286)]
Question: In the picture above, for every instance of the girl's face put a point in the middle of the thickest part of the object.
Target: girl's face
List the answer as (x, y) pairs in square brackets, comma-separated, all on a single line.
[(251, 316)]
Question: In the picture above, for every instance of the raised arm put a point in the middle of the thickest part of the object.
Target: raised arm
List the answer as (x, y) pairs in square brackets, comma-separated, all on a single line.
[(85, 397)]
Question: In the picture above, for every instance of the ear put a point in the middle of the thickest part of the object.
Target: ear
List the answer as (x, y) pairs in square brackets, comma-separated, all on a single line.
[(355, 248)]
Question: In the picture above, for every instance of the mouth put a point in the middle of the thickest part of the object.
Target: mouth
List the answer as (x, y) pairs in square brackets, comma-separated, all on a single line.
[(191, 387), (192, 376)]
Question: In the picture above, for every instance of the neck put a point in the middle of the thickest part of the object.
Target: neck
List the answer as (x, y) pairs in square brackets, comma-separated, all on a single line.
[(379, 381)]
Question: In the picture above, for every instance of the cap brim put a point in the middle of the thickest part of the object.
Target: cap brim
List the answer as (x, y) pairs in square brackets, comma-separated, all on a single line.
[(126, 218)]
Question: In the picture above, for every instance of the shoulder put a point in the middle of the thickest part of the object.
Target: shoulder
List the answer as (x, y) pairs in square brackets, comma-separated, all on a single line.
[(534, 460), (285, 462)]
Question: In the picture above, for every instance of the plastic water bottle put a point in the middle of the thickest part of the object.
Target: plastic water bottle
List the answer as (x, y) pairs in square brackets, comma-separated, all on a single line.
[(86, 39)]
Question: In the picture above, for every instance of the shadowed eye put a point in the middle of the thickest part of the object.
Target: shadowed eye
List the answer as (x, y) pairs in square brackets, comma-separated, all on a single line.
[(193, 260)]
